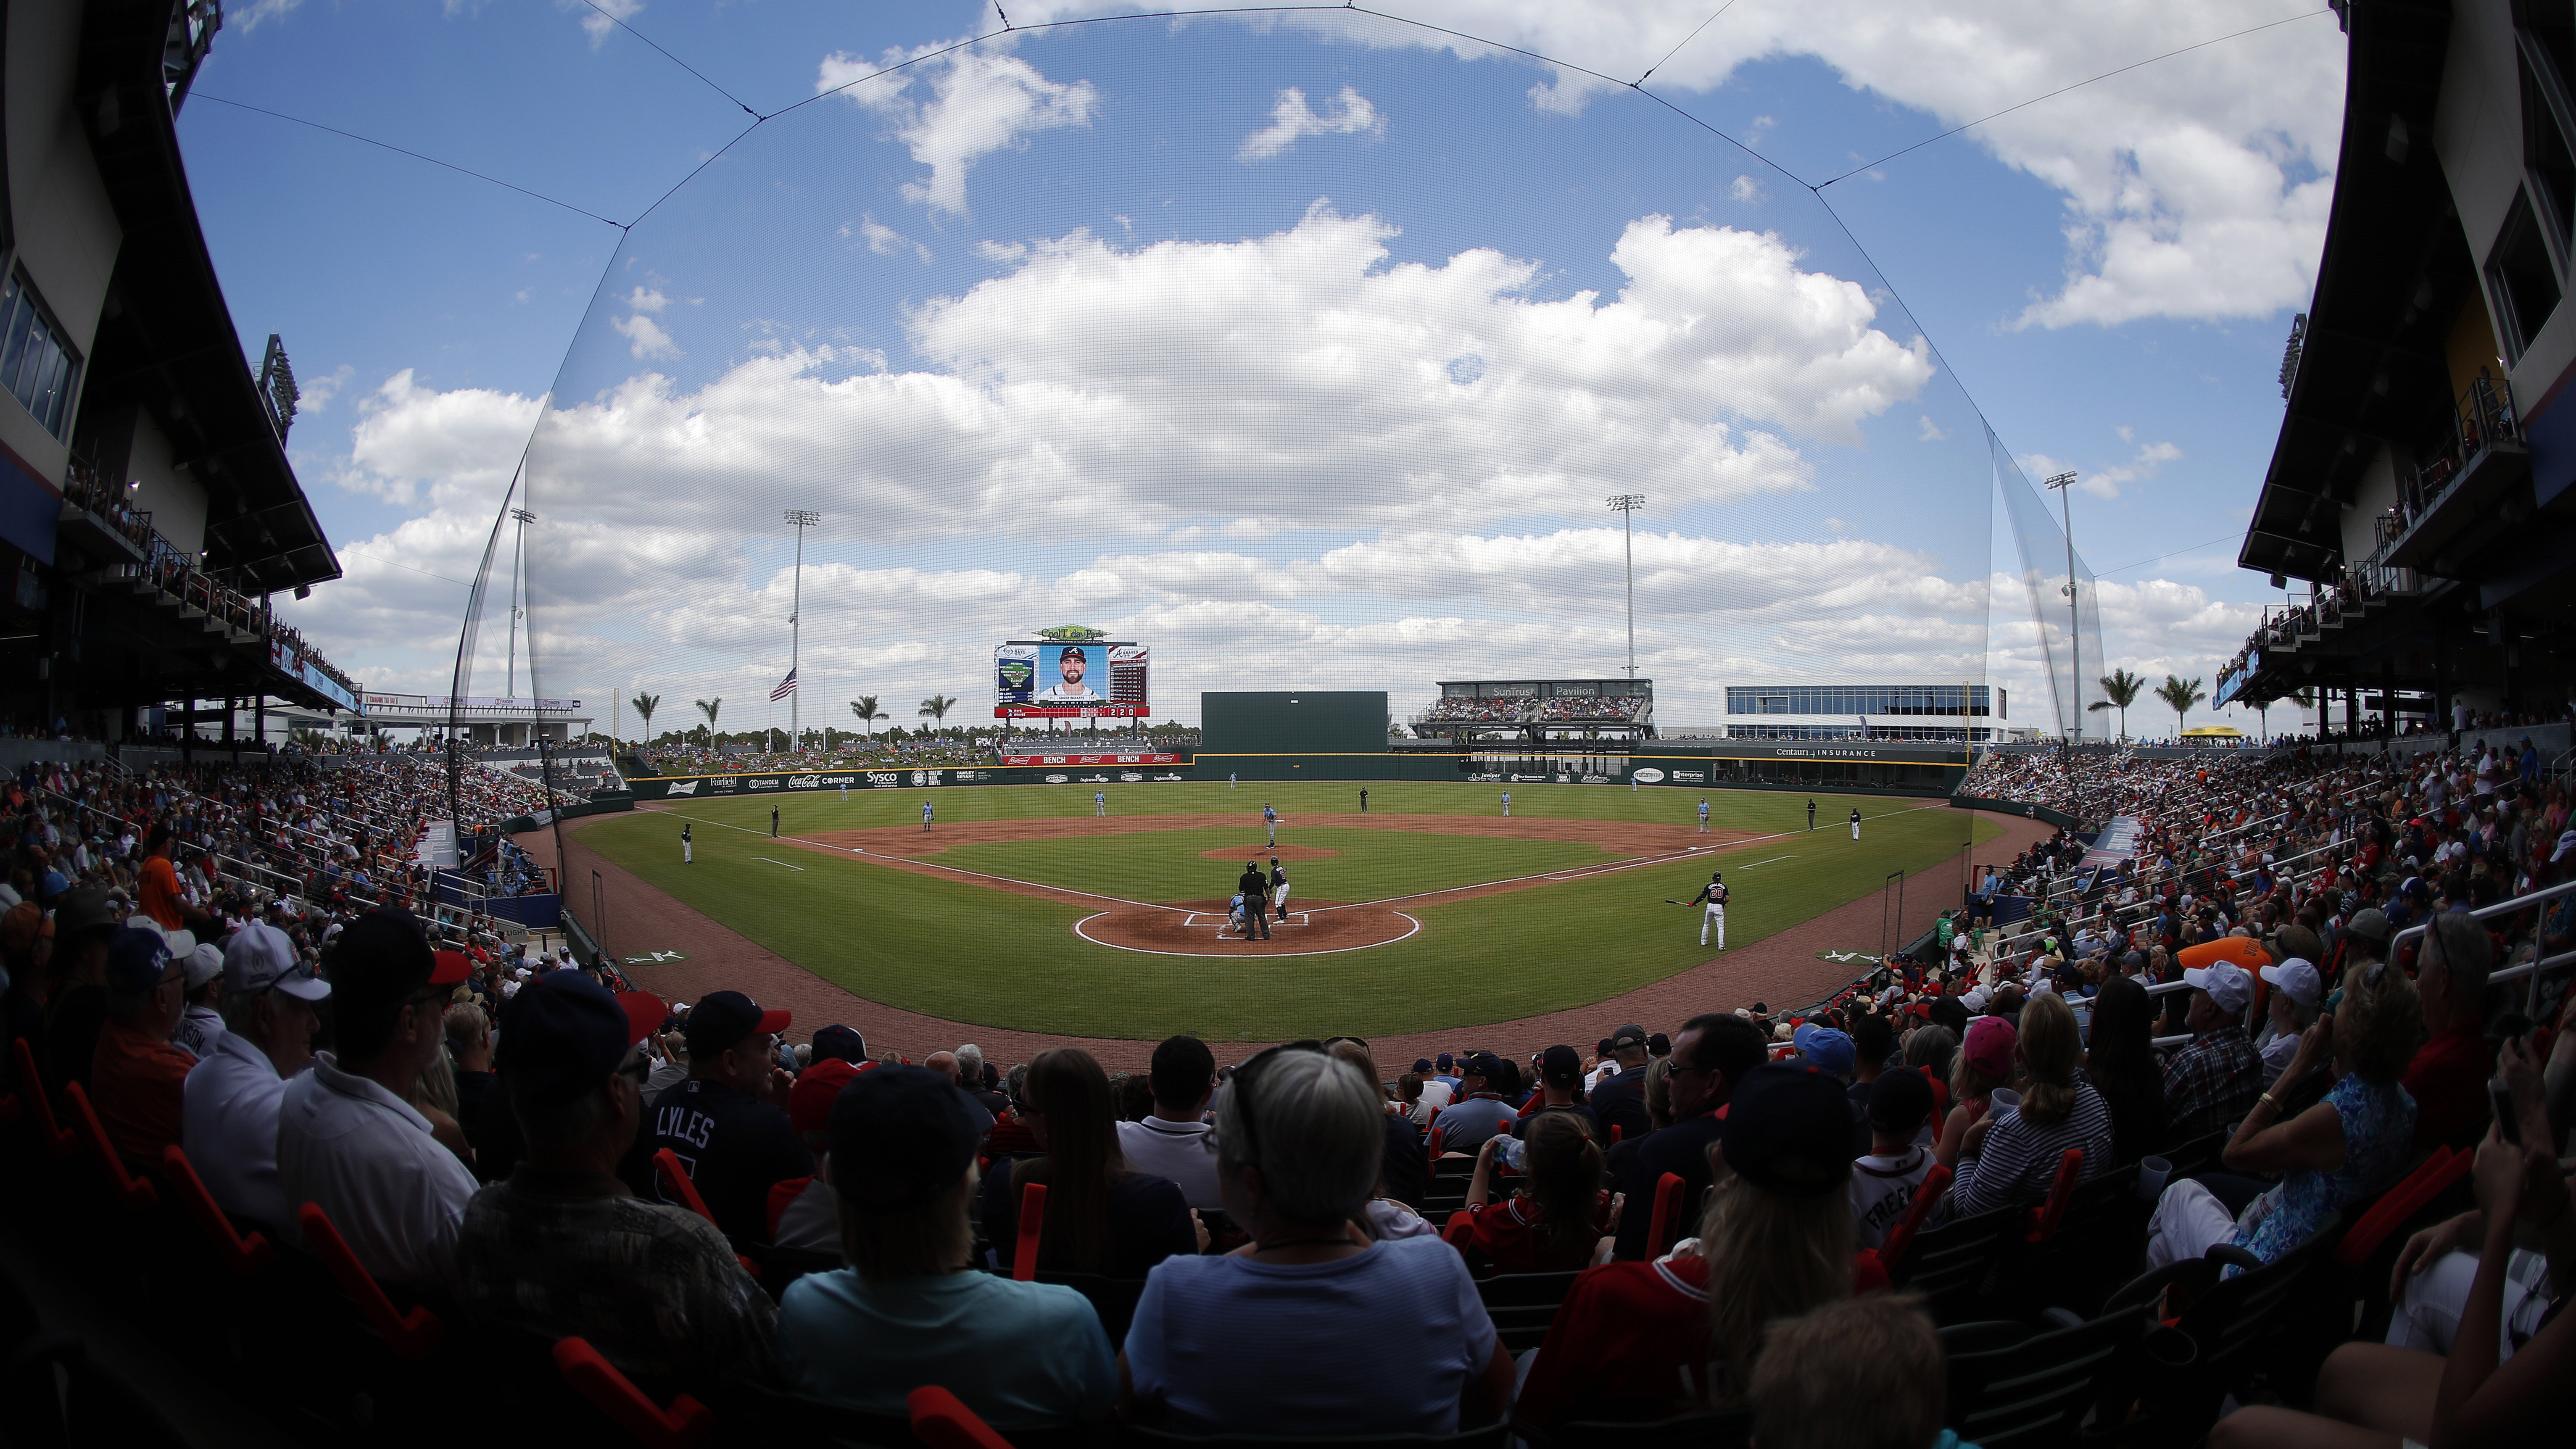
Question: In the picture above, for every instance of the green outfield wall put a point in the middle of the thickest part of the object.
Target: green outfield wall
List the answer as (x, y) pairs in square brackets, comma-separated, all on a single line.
[(1289, 721)]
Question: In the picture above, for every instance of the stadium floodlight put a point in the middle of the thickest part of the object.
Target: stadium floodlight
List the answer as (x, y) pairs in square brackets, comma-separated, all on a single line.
[(2064, 484), (518, 564), (1627, 504), (803, 519)]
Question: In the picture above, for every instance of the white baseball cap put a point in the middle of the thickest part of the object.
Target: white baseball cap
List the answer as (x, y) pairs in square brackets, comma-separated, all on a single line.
[(260, 956), (2227, 983), (2297, 977)]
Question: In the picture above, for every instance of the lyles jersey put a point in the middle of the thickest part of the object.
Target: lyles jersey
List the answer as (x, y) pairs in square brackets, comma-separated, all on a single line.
[(1713, 893)]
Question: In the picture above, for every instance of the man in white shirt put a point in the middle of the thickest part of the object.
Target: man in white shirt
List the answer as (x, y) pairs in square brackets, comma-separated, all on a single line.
[(348, 1138), (228, 1107), (1436, 1092), (1173, 1140), (1884, 1182), (201, 1019)]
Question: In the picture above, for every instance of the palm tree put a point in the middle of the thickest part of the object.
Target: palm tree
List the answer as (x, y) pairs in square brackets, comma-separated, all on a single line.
[(2120, 690), (936, 708), (711, 708), (2181, 694), (865, 707), (645, 704)]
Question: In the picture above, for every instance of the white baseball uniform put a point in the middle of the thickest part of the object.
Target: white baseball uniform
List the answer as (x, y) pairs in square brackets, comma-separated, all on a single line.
[(1712, 897), (1855, 825)]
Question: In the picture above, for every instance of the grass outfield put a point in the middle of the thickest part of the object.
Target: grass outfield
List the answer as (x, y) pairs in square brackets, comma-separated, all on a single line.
[(969, 953)]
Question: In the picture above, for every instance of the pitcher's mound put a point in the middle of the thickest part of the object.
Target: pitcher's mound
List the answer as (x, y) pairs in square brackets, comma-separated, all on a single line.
[(1201, 928), (1264, 852)]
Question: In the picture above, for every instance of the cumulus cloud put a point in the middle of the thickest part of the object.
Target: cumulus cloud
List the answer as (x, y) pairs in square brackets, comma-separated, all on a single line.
[(885, 241), (1290, 120), (2196, 187), (645, 337), (2106, 482), (975, 101), (598, 17), (1745, 189)]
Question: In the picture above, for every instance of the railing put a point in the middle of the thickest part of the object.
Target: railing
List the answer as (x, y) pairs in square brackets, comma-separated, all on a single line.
[(175, 572)]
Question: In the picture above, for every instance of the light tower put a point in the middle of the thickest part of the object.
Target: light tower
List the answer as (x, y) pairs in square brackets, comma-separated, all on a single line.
[(1626, 505), (803, 519), (2064, 484), (518, 558)]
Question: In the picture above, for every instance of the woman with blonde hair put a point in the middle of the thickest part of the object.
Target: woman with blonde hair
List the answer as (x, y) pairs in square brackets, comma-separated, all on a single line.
[(2014, 1159), (2345, 1148)]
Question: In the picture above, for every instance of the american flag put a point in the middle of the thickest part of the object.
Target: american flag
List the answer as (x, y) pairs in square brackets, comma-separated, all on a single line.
[(785, 687)]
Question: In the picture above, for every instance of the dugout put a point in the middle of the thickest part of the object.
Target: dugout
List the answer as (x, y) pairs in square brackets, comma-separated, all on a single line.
[(1293, 722)]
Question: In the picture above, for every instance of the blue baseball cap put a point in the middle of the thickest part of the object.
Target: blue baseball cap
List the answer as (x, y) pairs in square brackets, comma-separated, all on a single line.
[(136, 958), (1829, 1049), (562, 1036)]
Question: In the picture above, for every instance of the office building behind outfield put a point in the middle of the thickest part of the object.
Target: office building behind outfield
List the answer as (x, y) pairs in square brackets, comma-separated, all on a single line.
[(2418, 502), (1951, 713), (147, 510)]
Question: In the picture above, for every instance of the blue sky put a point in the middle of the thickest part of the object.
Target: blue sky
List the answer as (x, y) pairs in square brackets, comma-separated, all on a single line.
[(819, 315)]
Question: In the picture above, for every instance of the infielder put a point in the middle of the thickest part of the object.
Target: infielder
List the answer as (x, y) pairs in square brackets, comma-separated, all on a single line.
[(1364, 799), (688, 852), (925, 817), (1855, 822), (1703, 815), (1712, 897), (1270, 819), (845, 792), (1811, 815), (1099, 804), (773, 822), (1507, 804), (1278, 888)]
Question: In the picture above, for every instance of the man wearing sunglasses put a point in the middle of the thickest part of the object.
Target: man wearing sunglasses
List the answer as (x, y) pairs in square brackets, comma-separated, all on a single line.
[(1712, 1053), (348, 1138), (561, 1246)]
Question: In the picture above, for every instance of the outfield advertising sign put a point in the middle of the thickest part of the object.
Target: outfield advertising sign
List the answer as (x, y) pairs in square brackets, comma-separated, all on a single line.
[(727, 787)]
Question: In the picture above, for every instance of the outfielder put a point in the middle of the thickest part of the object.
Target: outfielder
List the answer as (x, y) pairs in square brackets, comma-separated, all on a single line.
[(1855, 822), (1270, 819), (1278, 888), (688, 852), (1099, 804), (1811, 815), (773, 822), (1713, 897), (925, 817), (1507, 804), (1703, 815), (845, 792)]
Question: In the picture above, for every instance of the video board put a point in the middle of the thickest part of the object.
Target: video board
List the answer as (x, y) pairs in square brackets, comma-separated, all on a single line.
[(1055, 679)]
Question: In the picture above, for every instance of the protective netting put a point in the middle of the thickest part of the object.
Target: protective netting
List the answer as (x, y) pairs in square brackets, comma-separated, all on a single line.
[(2065, 604), (1320, 382)]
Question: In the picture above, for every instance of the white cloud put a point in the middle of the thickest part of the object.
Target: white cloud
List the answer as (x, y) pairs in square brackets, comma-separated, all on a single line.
[(259, 12), (1931, 431), (885, 241), (1000, 251), (314, 394), (1427, 421), (2195, 187), (1290, 120), (1745, 189), (2106, 482), (645, 337), (981, 99), (594, 23)]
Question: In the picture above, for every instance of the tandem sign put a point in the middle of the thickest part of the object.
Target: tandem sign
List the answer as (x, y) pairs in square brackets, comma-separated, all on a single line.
[(701, 787)]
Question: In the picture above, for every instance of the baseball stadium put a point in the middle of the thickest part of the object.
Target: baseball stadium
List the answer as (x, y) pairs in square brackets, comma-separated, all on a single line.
[(1097, 726)]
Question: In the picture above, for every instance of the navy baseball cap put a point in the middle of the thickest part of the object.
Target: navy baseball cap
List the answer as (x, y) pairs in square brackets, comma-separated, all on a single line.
[(1422, 1065), (136, 958), (901, 1138), (561, 1036), (840, 1042), (1789, 1129), (1484, 1064), (1659, 1045), (723, 1018), (1447, 1062), (1560, 1064)]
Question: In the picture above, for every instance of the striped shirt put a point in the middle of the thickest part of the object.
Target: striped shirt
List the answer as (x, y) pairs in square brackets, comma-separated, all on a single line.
[(2019, 1158)]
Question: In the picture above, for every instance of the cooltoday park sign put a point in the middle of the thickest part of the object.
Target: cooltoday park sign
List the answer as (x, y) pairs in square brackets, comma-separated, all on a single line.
[(706, 787)]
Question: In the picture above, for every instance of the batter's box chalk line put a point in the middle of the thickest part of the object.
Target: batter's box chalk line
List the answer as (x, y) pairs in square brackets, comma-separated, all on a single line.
[(1204, 919)]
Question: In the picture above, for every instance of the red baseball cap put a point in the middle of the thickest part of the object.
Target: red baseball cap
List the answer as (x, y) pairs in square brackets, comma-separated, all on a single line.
[(809, 1103), (448, 968)]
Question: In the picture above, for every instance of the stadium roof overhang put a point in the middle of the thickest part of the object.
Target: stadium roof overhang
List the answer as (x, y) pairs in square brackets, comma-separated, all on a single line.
[(166, 339), (2394, 271)]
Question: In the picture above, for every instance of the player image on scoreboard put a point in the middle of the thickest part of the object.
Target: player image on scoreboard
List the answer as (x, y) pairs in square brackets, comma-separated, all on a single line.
[(1127, 674)]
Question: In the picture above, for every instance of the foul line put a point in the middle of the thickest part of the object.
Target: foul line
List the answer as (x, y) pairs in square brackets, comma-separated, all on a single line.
[(1775, 860), (778, 862), (921, 864)]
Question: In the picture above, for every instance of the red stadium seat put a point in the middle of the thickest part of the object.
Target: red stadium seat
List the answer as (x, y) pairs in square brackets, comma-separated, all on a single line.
[(667, 1164), (2400, 1203), (941, 1421), (1436, 1135), (247, 1254), (2045, 1217), (31, 1086), (1460, 1228), (133, 1191), (592, 1376), (1668, 1197), (412, 1335), (1901, 1237), (1032, 1227)]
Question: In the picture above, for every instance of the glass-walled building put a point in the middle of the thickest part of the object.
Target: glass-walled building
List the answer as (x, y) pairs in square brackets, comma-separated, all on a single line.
[(1865, 712)]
